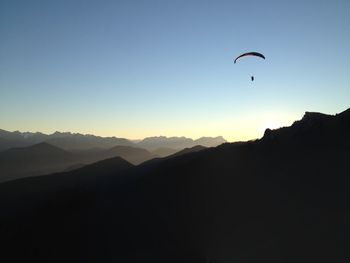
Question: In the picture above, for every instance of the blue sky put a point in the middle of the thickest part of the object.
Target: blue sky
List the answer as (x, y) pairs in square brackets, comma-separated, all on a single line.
[(144, 68)]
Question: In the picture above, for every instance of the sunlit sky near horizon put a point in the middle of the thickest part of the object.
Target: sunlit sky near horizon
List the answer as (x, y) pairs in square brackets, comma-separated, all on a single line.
[(135, 69)]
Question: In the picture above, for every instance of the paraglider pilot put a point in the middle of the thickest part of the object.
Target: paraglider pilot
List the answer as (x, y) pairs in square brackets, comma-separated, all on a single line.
[(256, 54)]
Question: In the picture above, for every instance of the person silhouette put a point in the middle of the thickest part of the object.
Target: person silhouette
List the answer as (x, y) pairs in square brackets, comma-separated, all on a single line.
[(252, 77)]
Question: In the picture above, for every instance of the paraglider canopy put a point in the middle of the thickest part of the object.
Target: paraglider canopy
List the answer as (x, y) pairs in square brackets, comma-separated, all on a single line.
[(256, 54)]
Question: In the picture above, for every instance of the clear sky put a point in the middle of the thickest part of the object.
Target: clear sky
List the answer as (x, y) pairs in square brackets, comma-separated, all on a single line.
[(145, 68)]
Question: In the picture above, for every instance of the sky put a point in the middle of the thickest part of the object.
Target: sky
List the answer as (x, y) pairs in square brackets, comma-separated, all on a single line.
[(137, 68)]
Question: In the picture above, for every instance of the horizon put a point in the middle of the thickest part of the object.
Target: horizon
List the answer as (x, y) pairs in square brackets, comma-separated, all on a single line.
[(135, 69), (175, 136), (113, 136)]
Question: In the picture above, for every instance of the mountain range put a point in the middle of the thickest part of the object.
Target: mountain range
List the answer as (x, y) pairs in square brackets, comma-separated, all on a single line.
[(76, 141), (29, 154), (44, 158), (282, 198)]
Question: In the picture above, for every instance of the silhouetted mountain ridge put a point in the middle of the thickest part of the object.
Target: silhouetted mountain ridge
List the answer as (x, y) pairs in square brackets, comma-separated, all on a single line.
[(314, 129)]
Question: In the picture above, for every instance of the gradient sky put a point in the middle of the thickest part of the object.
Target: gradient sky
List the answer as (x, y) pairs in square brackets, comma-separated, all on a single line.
[(143, 68)]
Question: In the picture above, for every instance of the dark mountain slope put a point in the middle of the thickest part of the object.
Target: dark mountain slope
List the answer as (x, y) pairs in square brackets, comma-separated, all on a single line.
[(279, 199), (12, 192), (40, 214), (259, 201), (188, 150)]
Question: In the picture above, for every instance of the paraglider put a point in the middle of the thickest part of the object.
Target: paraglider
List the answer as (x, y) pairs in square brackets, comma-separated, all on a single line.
[(254, 54)]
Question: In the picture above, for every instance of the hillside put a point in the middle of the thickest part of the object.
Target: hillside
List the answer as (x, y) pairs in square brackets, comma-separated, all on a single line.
[(283, 198)]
